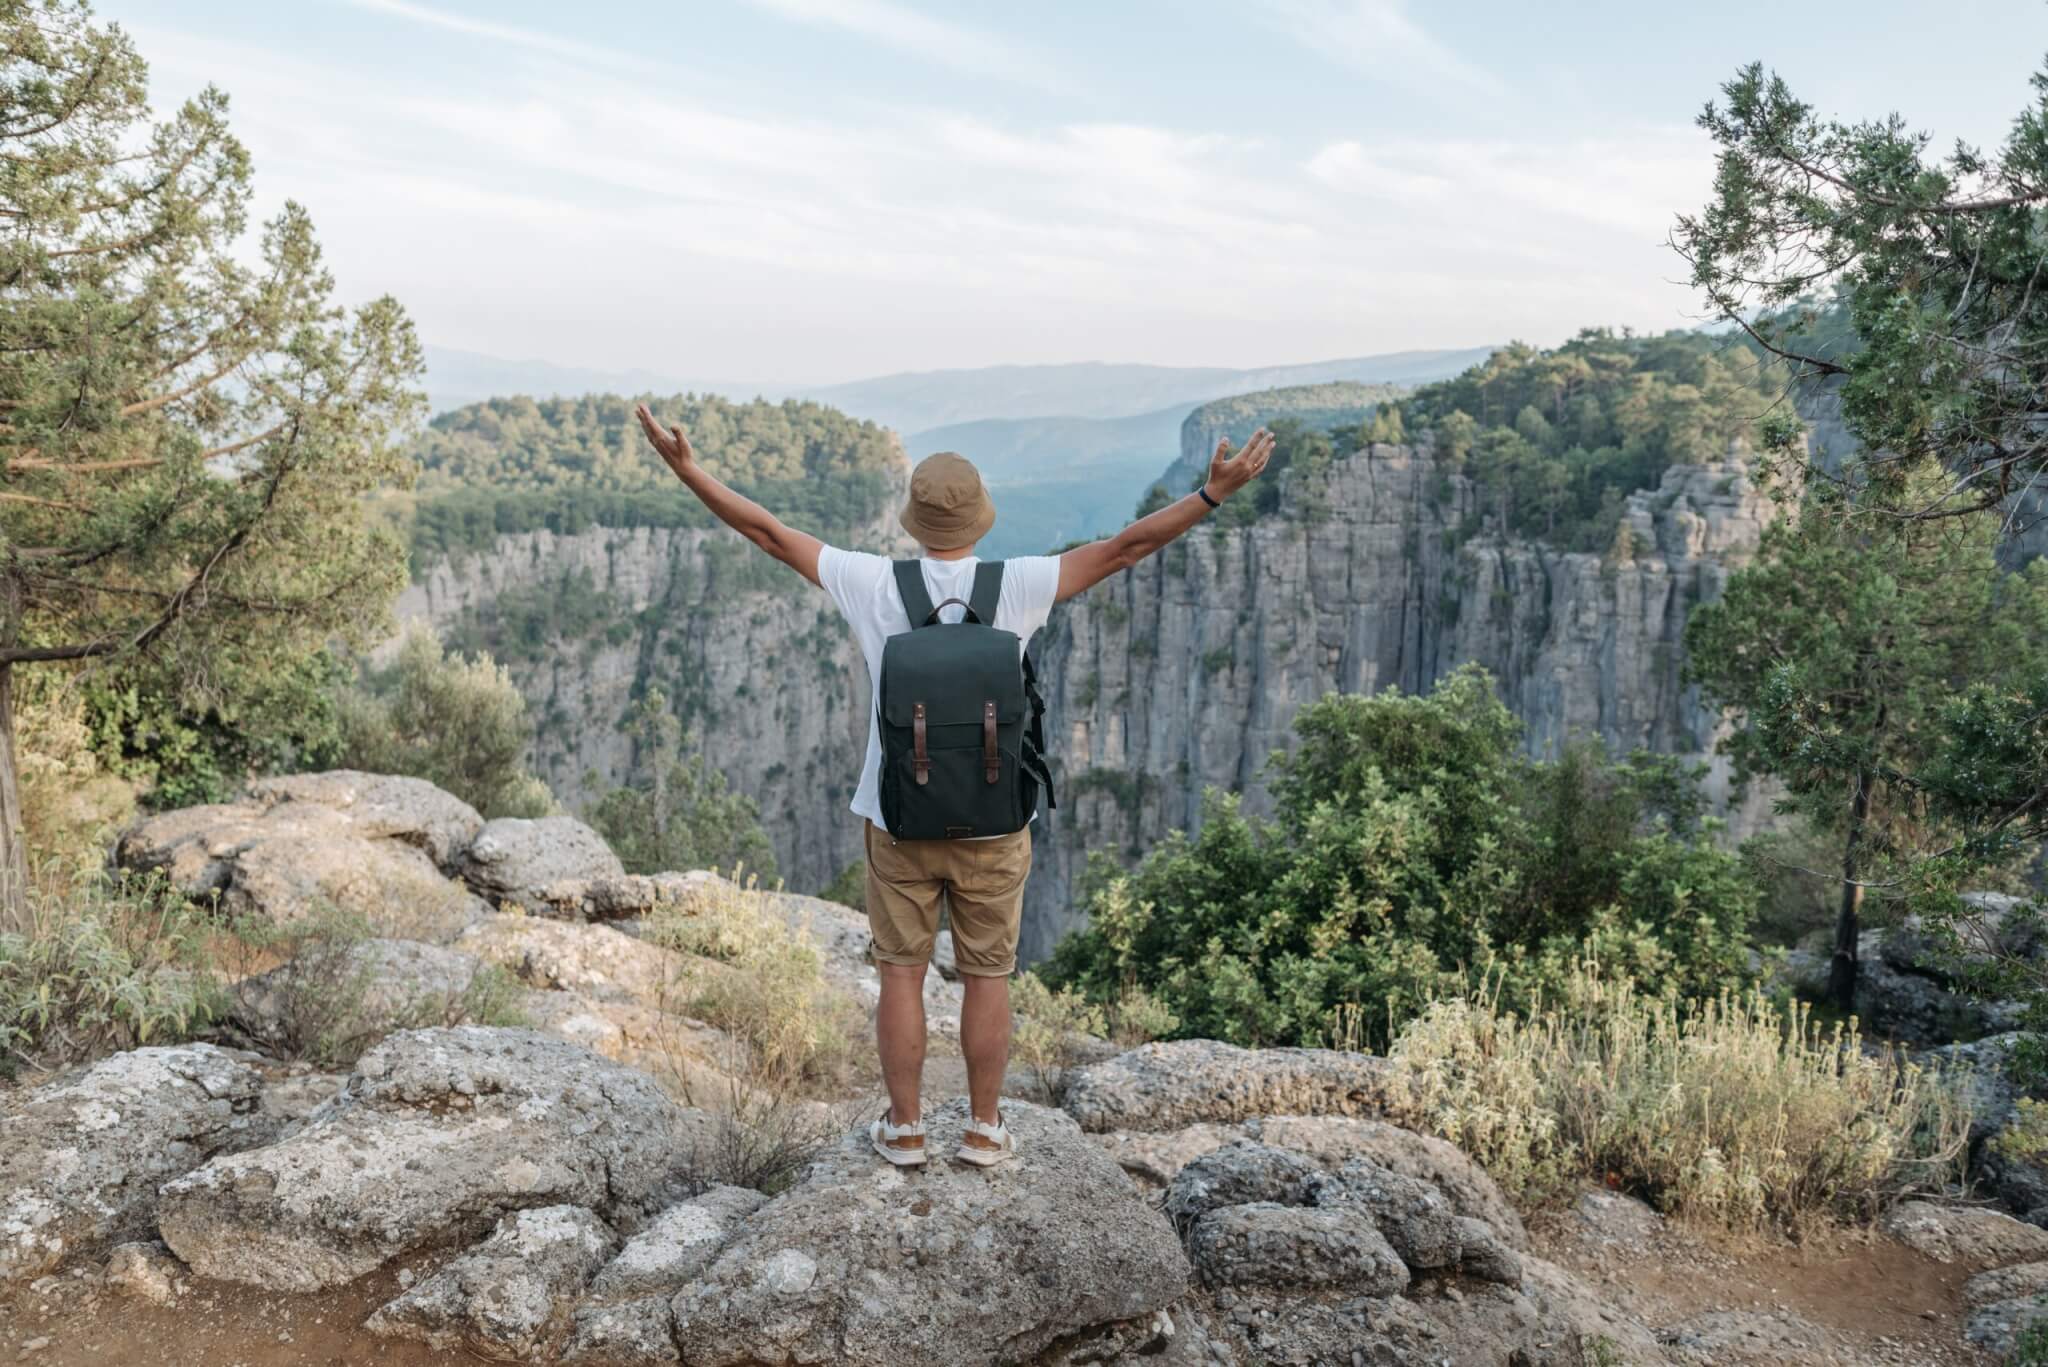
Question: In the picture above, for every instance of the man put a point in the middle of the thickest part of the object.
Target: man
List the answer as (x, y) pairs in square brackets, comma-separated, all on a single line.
[(983, 879)]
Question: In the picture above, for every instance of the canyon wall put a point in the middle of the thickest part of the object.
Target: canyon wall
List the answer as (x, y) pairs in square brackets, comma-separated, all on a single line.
[(756, 661), (1187, 671), (1184, 672)]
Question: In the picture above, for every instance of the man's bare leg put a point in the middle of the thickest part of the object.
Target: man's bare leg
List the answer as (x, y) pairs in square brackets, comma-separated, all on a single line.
[(899, 1036), (985, 1040)]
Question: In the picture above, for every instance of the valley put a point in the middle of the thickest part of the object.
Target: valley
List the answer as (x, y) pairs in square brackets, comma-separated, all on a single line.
[(1375, 569)]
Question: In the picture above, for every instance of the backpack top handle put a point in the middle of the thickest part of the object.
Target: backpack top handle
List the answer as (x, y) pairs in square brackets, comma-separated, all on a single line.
[(981, 603)]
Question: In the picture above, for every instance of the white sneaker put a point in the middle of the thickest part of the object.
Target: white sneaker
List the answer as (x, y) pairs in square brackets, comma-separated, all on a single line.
[(902, 1145), (996, 1143)]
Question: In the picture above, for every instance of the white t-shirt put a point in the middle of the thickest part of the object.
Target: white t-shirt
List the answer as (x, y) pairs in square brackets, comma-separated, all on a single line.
[(864, 587)]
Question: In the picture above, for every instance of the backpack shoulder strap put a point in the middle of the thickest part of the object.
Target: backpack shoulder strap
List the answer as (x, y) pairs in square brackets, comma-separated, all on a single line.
[(910, 585), (987, 592)]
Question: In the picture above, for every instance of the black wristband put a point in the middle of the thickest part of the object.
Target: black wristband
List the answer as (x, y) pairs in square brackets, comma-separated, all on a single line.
[(1203, 490)]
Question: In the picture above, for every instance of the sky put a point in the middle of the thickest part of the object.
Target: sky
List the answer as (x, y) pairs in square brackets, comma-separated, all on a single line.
[(821, 190)]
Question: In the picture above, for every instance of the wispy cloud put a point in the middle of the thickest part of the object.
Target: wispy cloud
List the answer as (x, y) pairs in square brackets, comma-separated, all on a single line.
[(544, 206), (1377, 38), (534, 40), (1633, 181), (936, 40)]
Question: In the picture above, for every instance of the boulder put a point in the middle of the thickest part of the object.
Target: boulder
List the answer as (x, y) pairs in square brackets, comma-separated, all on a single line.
[(1171, 1085), (505, 1297), (1969, 1234), (81, 1157), (633, 1333), (861, 1262), (436, 1136), (1608, 1219), (1237, 1175), (596, 962), (1299, 1248), (143, 1270), (516, 859), (296, 848), (1483, 1254), (1335, 1140), (678, 1243), (1413, 1216), (2007, 1283), (366, 989), (1157, 1157), (382, 807)]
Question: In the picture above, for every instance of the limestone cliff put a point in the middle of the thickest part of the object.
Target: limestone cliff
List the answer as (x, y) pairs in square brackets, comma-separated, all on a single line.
[(761, 667), (1184, 672), (1187, 671)]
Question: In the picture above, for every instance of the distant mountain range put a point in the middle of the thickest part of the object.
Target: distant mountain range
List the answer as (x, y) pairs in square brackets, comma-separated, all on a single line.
[(918, 402), (1068, 449)]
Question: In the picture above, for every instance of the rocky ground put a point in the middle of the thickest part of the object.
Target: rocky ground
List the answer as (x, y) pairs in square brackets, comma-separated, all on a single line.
[(541, 1193)]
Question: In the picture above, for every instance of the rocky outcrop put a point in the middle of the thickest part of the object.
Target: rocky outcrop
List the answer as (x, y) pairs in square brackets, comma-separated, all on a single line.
[(506, 1297), (513, 859), (861, 1264), (368, 845), (1171, 1085), (437, 1134), (81, 1158), (1187, 671), (1914, 984), (1307, 1263), (1965, 1233)]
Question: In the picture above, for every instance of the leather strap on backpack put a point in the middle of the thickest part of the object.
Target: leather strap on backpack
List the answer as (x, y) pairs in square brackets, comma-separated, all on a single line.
[(917, 602), (991, 757), (920, 758)]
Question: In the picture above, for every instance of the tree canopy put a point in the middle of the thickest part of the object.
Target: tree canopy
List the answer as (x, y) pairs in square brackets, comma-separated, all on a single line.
[(187, 428), (1936, 260), (1556, 439), (520, 464), (1414, 852)]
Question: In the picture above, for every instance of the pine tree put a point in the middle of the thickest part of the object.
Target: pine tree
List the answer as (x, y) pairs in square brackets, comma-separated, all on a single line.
[(186, 435)]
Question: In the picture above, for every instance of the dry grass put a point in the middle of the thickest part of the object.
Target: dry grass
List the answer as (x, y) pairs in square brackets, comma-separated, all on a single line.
[(1732, 1110), (766, 986), (107, 963)]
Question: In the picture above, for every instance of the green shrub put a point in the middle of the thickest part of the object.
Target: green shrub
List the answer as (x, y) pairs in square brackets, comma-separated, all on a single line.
[(111, 963), (1725, 1109), (677, 813), (1049, 1027), (461, 724), (1413, 844)]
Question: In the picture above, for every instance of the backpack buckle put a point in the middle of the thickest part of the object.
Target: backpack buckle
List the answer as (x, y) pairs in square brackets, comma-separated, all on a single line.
[(920, 761)]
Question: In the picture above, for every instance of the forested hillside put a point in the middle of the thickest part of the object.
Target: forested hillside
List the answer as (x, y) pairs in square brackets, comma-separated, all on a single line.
[(1555, 440), (514, 465)]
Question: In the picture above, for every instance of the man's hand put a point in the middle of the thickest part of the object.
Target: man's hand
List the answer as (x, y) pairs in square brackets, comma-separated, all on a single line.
[(675, 448), (1228, 475), (1083, 567)]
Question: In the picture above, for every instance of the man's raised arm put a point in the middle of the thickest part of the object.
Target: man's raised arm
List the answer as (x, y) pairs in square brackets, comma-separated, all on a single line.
[(798, 550), (1084, 567)]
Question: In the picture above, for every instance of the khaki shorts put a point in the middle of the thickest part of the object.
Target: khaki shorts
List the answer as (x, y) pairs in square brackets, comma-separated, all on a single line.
[(982, 880)]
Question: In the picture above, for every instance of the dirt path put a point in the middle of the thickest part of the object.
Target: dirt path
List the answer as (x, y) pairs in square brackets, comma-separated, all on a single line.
[(1841, 1297), (73, 1322)]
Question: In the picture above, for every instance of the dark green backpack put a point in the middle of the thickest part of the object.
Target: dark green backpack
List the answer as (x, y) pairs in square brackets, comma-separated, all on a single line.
[(963, 742)]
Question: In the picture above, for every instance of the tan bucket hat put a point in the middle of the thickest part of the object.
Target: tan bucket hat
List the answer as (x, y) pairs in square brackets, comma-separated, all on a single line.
[(948, 506)]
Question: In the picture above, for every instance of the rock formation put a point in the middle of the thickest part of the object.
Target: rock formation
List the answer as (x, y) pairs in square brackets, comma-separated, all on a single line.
[(1187, 671), (1184, 672)]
